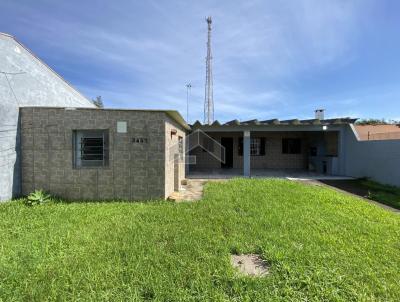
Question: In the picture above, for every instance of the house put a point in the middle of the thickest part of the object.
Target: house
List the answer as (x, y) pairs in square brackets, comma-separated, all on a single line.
[(25, 81), (53, 138), (102, 154), (109, 154), (317, 147), (255, 147)]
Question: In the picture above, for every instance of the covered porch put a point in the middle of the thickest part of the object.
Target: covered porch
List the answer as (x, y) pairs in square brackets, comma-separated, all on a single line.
[(312, 151)]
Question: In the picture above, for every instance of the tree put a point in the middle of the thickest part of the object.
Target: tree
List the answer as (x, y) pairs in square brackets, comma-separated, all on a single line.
[(98, 102), (373, 121)]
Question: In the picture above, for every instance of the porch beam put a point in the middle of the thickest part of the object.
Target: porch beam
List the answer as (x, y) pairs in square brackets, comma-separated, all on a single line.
[(246, 153), (274, 128)]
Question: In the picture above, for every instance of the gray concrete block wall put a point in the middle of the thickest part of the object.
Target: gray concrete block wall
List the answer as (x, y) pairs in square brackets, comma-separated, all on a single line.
[(379, 160), (273, 158), (136, 171), (27, 82)]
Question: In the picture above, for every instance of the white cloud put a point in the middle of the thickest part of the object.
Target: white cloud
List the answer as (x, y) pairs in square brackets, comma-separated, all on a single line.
[(145, 53)]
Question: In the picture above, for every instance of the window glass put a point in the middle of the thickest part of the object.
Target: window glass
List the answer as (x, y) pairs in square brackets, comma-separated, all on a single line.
[(291, 146), (257, 146), (90, 148)]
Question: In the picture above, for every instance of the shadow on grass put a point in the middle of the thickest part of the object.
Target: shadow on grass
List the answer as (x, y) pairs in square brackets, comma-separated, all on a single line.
[(385, 194)]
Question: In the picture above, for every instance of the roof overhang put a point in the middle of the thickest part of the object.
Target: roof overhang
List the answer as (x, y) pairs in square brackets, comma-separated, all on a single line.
[(276, 125), (177, 117)]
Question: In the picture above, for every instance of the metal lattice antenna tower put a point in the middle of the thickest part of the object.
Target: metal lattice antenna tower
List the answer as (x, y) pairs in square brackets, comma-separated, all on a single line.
[(188, 88), (209, 98)]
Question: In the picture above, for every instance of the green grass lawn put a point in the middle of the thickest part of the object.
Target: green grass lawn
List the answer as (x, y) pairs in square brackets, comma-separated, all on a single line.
[(321, 245)]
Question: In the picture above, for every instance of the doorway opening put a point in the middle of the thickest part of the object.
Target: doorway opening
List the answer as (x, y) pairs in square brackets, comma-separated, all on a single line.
[(227, 143)]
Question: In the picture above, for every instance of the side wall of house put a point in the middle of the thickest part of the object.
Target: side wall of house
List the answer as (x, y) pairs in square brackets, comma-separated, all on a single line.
[(273, 158), (28, 82), (135, 171), (379, 160), (174, 159)]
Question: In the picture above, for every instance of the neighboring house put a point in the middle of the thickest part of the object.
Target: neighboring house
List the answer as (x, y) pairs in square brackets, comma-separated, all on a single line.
[(102, 154), (378, 132), (25, 81)]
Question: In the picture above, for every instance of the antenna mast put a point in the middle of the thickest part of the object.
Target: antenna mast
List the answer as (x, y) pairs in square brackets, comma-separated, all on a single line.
[(209, 98), (188, 88)]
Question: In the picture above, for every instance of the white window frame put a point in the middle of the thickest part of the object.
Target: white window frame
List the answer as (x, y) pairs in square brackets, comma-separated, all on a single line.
[(255, 146)]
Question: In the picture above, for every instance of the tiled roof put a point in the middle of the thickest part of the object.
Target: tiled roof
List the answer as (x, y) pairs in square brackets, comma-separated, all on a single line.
[(273, 122)]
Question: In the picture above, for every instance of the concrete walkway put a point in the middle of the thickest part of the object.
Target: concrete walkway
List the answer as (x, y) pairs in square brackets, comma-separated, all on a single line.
[(291, 174), (191, 191)]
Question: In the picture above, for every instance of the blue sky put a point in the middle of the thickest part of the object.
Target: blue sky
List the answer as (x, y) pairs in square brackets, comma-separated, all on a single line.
[(272, 59)]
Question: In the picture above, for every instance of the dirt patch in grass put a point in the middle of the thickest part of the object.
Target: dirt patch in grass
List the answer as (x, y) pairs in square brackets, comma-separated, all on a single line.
[(250, 265)]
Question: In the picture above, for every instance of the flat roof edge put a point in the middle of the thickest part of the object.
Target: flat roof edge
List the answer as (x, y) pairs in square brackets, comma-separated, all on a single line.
[(174, 114)]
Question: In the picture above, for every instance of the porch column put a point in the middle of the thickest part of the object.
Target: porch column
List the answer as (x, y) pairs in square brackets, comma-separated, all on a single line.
[(341, 151), (246, 153)]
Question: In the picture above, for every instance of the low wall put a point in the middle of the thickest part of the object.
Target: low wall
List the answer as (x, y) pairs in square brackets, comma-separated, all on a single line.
[(378, 160)]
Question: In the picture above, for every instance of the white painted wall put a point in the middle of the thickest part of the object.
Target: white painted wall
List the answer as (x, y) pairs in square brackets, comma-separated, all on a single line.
[(378, 160), (25, 81)]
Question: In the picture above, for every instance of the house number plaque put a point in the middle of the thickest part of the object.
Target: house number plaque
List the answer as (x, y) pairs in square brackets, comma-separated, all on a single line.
[(139, 140)]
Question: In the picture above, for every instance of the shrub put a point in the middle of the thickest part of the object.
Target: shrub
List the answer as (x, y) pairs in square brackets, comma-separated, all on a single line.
[(37, 198)]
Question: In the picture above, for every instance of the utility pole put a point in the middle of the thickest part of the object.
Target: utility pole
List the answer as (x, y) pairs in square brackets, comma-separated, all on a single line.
[(188, 88), (209, 98)]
